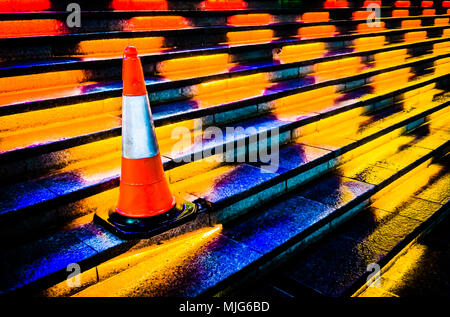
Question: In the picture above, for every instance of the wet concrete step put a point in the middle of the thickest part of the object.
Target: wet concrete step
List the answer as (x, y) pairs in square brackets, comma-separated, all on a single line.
[(265, 238), (107, 245)]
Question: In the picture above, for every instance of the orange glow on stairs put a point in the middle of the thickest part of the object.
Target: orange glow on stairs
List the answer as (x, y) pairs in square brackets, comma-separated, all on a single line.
[(188, 67), (402, 4), (441, 21), (248, 37), (427, 4), (310, 101), (418, 36), (250, 19), (37, 81), (311, 17), (335, 4), (370, 28), (339, 68), (232, 89), (115, 47), (400, 13), (409, 24), (24, 6), (385, 59), (441, 48), (157, 266), (391, 80), (442, 66), (372, 2), (37, 27), (295, 53), (223, 5), (362, 15), (139, 5), (156, 23), (428, 12), (369, 43), (317, 31)]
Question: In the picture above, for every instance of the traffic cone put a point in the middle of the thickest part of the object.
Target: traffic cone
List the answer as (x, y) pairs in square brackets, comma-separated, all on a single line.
[(146, 206)]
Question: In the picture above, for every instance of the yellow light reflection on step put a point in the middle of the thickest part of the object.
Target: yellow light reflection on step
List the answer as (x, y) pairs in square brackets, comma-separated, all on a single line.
[(412, 37), (441, 48), (442, 66), (369, 43), (370, 27), (296, 53), (232, 89), (403, 266), (249, 37), (188, 67), (381, 148), (391, 80), (317, 31), (115, 47), (156, 267), (403, 188), (43, 80), (310, 101), (338, 68), (389, 58), (39, 118), (250, 19), (411, 24)]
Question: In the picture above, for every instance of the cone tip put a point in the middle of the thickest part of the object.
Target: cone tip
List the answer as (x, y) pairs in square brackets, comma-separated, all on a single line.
[(130, 51), (133, 75)]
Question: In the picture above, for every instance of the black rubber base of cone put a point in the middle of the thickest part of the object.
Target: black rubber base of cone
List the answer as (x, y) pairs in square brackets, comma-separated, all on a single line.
[(147, 227)]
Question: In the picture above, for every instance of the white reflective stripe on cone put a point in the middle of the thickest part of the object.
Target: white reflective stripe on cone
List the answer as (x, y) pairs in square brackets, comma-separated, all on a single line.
[(138, 131)]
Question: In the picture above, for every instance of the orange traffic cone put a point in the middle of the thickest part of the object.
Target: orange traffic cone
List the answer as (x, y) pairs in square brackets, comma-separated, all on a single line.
[(146, 205)]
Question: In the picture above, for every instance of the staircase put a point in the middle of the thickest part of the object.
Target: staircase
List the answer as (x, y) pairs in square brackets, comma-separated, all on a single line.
[(360, 114)]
